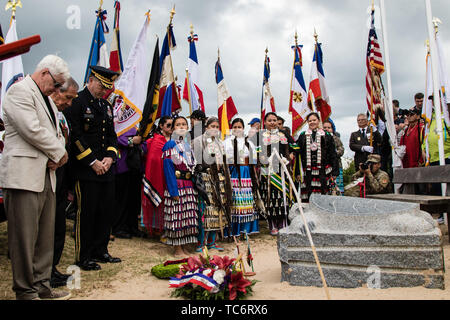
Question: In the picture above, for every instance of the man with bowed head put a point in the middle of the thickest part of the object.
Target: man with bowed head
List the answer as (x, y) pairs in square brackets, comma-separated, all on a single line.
[(34, 149), (93, 154)]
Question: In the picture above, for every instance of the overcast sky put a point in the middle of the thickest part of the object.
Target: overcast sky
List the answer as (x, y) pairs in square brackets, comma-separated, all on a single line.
[(243, 29)]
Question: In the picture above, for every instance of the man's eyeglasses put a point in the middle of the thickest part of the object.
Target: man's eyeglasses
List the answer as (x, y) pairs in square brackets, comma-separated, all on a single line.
[(56, 84)]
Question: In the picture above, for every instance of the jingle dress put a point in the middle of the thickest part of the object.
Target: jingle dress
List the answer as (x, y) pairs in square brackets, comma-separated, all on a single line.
[(318, 158), (215, 176), (154, 185), (276, 204), (180, 217), (244, 218)]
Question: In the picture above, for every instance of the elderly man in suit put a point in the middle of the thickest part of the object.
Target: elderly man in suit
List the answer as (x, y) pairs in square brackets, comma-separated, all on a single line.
[(360, 141), (34, 149)]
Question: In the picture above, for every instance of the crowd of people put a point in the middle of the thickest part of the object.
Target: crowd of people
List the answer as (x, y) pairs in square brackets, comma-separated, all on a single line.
[(182, 181)]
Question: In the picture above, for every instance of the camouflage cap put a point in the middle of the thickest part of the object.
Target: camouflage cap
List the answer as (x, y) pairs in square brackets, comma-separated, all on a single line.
[(374, 158)]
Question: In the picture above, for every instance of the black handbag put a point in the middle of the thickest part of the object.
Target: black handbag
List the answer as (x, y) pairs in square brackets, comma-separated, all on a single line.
[(134, 158)]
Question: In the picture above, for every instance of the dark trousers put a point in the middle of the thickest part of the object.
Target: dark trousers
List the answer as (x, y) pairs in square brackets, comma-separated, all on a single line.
[(127, 202), (60, 216), (95, 202)]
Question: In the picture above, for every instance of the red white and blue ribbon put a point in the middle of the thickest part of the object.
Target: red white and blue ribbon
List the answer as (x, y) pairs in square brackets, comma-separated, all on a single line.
[(203, 281)]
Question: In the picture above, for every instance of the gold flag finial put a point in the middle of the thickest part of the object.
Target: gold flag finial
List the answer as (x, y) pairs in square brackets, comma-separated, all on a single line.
[(436, 23), (316, 36), (373, 5), (267, 50), (13, 4), (192, 30), (296, 38), (148, 15), (172, 13)]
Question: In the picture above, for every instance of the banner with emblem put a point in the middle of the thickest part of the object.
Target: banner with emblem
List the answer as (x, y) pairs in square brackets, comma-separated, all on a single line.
[(131, 88), (298, 102)]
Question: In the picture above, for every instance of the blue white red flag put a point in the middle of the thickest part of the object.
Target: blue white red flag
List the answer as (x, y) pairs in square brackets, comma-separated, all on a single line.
[(194, 79), (199, 279), (227, 109), (298, 102), (267, 100), (317, 89), (98, 54), (169, 102), (115, 56), (12, 69)]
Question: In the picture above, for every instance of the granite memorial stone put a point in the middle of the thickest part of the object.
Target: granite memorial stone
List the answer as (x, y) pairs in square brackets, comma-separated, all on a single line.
[(362, 243)]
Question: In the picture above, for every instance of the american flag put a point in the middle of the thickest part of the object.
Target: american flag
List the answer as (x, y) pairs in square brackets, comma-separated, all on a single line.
[(374, 63)]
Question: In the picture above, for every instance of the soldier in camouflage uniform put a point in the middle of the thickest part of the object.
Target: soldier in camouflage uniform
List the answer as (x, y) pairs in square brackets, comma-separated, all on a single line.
[(377, 181)]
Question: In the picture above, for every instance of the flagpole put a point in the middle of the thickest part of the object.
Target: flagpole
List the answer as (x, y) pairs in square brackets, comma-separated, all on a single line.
[(13, 4), (388, 74), (262, 96), (316, 37), (436, 86), (187, 75), (172, 13)]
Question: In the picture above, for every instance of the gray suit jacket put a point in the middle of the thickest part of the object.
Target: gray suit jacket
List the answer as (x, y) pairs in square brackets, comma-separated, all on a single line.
[(31, 138)]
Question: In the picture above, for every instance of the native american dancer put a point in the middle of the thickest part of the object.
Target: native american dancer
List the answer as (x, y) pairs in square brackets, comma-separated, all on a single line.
[(275, 200), (244, 218), (153, 181), (180, 203), (317, 155), (212, 172)]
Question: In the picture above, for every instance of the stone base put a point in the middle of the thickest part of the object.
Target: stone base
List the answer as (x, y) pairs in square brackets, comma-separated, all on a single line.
[(398, 248)]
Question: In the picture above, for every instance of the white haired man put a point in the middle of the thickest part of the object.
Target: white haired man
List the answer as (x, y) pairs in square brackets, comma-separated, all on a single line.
[(34, 149)]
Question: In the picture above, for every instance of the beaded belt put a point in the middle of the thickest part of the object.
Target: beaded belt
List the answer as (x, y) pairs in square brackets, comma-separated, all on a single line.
[(183, 175)]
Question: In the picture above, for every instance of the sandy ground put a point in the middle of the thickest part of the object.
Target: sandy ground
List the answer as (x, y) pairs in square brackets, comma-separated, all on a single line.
[(268, 269)]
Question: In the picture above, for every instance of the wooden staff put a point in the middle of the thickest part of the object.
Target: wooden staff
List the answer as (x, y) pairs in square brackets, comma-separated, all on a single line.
[(308, 232)]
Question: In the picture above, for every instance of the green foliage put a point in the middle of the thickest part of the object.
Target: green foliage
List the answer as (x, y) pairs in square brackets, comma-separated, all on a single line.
[(165, 272), (348, 173)]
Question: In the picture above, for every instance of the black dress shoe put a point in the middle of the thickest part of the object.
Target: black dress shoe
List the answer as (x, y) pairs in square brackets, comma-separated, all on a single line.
[(57, 282), (89, 265), (58, 275), (122, 235), (106, 258)]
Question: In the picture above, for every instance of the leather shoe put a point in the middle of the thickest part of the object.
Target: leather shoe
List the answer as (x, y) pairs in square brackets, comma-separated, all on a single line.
[(57, 282), (58, 275), (89, 265), (106, 258)]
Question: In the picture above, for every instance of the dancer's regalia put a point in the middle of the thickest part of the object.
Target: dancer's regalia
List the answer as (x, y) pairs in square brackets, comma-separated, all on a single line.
[(215, 202), (275, 202), (180, 217), (318, 156), (240, 154)]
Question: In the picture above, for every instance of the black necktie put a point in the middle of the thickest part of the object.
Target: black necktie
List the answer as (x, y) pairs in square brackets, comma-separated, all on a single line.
[(364, 132)]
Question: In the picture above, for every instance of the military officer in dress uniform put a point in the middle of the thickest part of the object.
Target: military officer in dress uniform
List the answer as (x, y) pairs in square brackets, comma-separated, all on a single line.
[(377, 181), (94, 151)]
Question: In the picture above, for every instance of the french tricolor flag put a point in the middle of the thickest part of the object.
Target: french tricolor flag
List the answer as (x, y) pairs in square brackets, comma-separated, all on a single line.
[(115, 55), (169, 102), (196, 95), (298, 103), (317, 89), (227, 109), (267, 100)]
